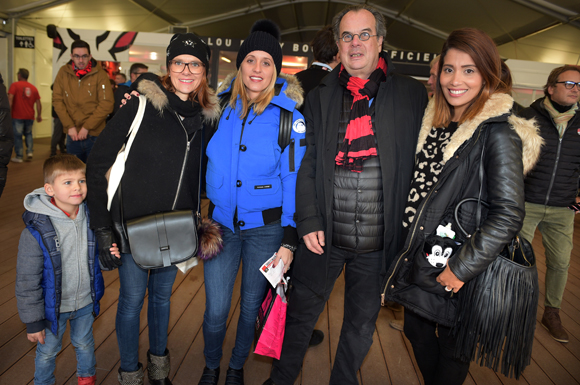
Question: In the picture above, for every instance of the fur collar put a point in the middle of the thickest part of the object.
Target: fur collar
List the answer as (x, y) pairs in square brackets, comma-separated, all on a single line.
[(158, 99), (497, 105), (293, 91)]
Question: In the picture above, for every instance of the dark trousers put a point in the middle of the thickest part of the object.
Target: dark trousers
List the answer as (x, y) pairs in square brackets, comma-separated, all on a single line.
[(433, 347), (58, 138), (361, 308)]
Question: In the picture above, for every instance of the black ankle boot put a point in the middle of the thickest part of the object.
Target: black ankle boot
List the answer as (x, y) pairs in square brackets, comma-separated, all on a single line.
[(158, 368), (209, 376), (235, 376)]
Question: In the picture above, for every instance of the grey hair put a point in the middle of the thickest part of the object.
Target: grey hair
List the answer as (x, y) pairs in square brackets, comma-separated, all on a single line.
[(380, 24)]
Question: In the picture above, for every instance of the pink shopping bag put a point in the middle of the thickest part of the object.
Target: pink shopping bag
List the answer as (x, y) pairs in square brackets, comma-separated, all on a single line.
[(271, 322)]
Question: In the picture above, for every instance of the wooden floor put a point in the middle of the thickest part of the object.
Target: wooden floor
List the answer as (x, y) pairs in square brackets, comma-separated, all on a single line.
[(390, 360)]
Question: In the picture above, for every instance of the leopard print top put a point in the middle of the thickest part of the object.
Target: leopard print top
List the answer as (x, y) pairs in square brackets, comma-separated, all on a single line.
[(428, 165)]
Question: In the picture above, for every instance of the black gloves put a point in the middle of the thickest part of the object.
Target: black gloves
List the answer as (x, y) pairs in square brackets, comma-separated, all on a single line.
[(105, 240)]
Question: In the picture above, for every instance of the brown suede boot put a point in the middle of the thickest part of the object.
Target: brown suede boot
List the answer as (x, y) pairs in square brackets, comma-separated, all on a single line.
[(551, 321)]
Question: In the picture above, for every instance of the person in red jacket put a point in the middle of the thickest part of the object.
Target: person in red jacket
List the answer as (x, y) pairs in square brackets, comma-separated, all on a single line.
[(22, 97)]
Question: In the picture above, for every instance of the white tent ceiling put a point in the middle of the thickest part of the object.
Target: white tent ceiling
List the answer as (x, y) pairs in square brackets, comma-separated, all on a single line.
[(537, 30)]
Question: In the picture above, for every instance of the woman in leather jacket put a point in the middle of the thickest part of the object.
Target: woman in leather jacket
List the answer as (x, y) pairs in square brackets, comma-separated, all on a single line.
[(469, 114)]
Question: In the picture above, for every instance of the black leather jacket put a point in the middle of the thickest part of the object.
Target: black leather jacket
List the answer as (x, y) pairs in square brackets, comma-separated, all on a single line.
[(504, 135)]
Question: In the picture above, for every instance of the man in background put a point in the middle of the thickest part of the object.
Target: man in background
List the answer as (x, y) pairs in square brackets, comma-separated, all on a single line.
[(325, 59), (120, 78), (433, 72), (552, 185), (22, 97), (82, 97), (136, 70)]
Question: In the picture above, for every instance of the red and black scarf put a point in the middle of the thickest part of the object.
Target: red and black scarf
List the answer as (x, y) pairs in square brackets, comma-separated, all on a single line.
[(83, 72), (359, 142)]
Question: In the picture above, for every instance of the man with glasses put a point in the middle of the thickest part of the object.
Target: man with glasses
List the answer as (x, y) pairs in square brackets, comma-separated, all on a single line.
[(124, 88), (553, 185), (362, 124), (82, 97)]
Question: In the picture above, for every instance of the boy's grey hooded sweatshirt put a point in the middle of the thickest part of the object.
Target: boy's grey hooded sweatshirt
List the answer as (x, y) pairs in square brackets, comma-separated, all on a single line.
[(72, 239)]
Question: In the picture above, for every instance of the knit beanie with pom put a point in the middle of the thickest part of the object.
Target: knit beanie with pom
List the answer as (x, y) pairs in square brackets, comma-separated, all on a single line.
[(264, 36)]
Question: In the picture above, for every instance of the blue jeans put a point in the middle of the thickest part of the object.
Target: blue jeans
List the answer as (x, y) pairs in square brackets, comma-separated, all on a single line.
[(81, 336), (80, 148), (134, 282), (22, 127), (252, 247)]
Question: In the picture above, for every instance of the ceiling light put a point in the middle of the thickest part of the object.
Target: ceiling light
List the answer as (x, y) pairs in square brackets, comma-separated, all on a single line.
[(226, 59), (153, 55)]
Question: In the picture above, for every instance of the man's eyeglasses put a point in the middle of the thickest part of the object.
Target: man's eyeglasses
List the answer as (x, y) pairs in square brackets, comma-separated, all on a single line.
[(179, 66), (363, 36), (569, 84), (77, 57)]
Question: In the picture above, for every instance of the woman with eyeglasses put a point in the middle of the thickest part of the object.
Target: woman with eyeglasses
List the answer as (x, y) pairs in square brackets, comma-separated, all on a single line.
[(166, 147), (251, 181)]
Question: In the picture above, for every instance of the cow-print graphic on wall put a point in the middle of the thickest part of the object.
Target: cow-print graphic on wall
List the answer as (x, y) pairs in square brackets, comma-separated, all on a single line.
[(428, 166)]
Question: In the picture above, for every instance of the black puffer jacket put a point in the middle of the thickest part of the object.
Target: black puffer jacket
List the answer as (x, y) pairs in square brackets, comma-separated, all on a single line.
[(505, 164), (6, 135), (357, 212), (155, 161), (554, 180)]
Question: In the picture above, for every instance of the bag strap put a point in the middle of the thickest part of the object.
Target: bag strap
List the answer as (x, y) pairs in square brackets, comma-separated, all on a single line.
[(118, 168), (285, 131), (478, 199)]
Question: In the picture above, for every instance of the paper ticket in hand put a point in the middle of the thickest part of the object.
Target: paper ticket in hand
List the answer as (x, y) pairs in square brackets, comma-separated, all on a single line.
[(273, 274)]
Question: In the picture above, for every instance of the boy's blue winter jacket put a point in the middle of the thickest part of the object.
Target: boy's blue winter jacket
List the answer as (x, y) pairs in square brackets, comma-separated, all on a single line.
[(247, 170), (50, 280)]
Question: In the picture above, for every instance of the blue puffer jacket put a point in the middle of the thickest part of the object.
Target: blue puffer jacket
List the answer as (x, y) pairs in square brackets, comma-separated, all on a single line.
[(43, 231), (247, 170)]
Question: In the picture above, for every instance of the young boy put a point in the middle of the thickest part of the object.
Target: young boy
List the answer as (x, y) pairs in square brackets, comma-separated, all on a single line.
[(58, 277)]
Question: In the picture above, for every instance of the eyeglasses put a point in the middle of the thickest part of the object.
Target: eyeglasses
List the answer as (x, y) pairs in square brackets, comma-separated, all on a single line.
[(77, 57), (363, 36), (569, 84), (179, 66)]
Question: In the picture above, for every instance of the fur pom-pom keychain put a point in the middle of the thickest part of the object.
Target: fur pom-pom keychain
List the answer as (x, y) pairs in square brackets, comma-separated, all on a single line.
[(211, 243)]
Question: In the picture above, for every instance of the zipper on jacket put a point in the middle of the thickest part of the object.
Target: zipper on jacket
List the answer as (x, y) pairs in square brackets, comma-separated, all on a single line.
[(554, 171), (66, 93), (415, 223), (184, 159), (291, 155), (56, 308), (104, 93)]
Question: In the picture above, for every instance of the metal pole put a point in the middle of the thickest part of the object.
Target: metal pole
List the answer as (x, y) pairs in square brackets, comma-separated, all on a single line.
[(10, 74)]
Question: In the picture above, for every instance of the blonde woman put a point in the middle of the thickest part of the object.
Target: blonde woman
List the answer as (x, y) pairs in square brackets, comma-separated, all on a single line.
[(251, 185)]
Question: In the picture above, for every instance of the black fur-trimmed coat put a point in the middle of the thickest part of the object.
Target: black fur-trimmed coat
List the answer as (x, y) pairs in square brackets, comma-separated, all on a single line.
[(154, 164), (512, 147)]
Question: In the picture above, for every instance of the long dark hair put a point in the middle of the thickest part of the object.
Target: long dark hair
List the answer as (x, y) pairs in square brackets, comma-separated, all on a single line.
[(494, 72)]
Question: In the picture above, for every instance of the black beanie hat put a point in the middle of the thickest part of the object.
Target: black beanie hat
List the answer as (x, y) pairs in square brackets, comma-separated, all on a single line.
[(264, 36), (188, 44)]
